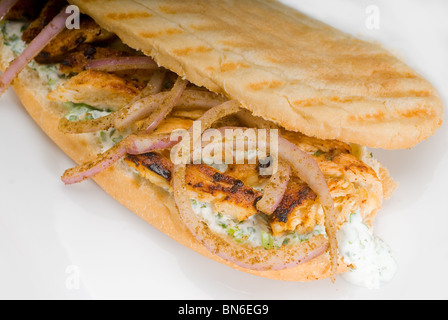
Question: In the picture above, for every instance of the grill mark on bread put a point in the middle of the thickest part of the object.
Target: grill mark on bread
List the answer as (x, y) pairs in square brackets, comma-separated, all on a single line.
[(191, 50), (265, 84), (121, 16), (231, 66), (156, 34)]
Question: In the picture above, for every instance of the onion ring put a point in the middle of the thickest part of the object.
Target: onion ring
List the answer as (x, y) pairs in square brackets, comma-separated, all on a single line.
[(307, 169), (105, 123), (139, 110), (245, 256), (142, 143), (165, 107), (101, 163), (33, 49)]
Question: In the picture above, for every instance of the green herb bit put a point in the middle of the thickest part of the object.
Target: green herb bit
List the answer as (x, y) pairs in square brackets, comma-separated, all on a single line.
[(103, 135), (118, 139), (267, 241), (222, 225)]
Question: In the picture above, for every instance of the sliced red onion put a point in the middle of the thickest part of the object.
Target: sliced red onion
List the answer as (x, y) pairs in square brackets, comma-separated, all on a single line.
[(144, 107), (123, 63), (199, 99), (154, 85), (6, 6), (90, 169), (165, 107), (140, 144), (139, 110), (246, 256), (117, 119), (146, 102), (132, 144), (275, 189), (206, 121), (307, 169), (143, 143), (33, 49), (214, 114)]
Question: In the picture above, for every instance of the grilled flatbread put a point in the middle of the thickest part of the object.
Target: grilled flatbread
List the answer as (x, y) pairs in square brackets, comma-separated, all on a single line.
[(269, 57)]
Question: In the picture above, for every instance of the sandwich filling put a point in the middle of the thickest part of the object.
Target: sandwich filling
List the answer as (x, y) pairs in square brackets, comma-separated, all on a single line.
[(129, 106)]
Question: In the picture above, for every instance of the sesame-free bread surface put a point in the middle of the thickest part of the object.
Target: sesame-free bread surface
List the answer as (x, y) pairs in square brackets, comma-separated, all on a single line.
[(282, 65)]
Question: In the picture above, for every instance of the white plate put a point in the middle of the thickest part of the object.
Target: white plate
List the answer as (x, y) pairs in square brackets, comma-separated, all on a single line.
[(76, 242)]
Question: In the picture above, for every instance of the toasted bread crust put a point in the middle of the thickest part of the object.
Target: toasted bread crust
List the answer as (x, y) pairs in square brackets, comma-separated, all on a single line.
[(269, 57)]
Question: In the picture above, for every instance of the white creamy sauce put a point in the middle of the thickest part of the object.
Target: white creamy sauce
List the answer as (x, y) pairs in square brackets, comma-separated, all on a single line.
[(81, 111), (254, 231), (49, 74), (372, 257), (12, 37)]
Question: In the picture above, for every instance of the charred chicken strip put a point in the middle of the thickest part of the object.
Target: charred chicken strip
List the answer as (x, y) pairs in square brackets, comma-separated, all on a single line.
[(69, 39), (77, 61), (27, 10), (230, 196), (48, 12)]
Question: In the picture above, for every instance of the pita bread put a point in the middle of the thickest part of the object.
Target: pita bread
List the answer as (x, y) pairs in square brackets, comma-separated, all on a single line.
[(282, 65)]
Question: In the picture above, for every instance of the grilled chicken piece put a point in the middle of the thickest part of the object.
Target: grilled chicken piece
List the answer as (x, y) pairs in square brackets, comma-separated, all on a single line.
[(248, 173), (70, 39), (352, 184), (229, 195), (47, 13), (98, 89), (298, 210), (152, 166), (76, 62), (27, 10)]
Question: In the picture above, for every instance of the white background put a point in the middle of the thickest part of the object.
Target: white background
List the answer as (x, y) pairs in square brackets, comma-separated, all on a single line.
[(48, 230)]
